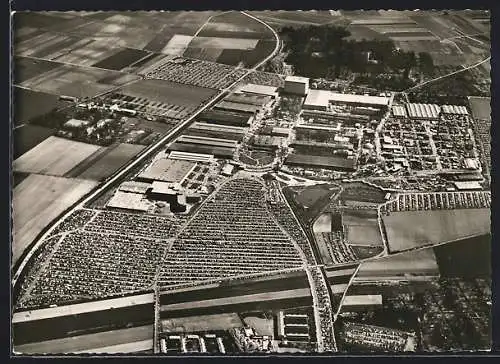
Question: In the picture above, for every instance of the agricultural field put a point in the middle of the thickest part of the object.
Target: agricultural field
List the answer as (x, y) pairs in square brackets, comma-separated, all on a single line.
[(77, 81), (278, 19), (468, 258), (39, 199), (362, 230), (480, 107), (26, 68), (411, 229), (309, 201), (28, 104), (362, 192), (108, 163), (231, 38), (54, 156), (122, 59), (18, 177), (26, 137), (408, 263), (204, 323)]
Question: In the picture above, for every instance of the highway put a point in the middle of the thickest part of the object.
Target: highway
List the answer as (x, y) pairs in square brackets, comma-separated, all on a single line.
[(143, 157)]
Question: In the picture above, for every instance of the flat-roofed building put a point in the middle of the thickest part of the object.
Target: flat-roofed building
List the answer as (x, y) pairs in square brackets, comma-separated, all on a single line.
[(192, 157), (129, 201), (166, 170), (423, 111), (267, 142), (252, 88), (238, 107), (321, 99), (297, 85), (467, 185), (315, 161)]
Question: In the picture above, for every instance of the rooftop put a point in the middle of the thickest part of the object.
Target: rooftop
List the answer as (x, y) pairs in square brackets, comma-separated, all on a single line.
[(324, 97), (296, 79), (259, 89)]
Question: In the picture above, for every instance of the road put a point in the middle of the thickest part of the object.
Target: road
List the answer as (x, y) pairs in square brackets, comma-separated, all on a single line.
[(143, 157), (487, 59)]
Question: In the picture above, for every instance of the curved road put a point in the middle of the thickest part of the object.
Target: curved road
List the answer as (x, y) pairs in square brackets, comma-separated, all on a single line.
[(149, 151)]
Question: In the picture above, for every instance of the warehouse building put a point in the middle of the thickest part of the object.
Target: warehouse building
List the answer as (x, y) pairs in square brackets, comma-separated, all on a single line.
[(254, 89), (314, 161), (267, 142), (321, 99), (296, 85), (423, 111)]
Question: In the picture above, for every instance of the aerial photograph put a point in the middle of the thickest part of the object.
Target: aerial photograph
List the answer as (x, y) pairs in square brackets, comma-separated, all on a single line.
[(226, 183)]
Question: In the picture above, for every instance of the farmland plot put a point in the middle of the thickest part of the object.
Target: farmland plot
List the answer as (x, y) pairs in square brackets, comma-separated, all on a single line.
[(121, 59), (76, 81), (54, 156), (420, 261), (110, 162), (27, 68), (406, 230), (27, 137), (37, 201), (29, 104)]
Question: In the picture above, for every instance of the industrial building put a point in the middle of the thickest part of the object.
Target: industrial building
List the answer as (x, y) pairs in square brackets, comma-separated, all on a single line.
[(129, 201), (249, 109), (167, 192), (267, 142), (314, 161), (166, 170), (321, 99), (225, 118), (296, 85), (251, 88), (454, 109), (423, 111), (192, 157)]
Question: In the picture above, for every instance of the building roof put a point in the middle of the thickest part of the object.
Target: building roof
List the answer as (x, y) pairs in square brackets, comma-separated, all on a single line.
[(195, 157), (80, 308), (253, 88), (429, 111), (454, 109), (134, 187), (467, 185), (164, 188), (399, 110), (297, 79), (318, 127), (128, 201), (323, 97), (218, 142), (268, 140), (167, 170), (320, 161), (236, 106), (363, 300)]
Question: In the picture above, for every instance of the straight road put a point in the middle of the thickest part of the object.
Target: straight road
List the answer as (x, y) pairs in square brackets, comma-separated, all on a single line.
[(144, 156)]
